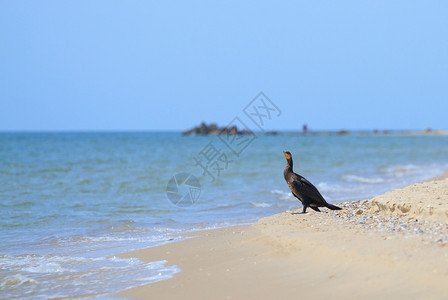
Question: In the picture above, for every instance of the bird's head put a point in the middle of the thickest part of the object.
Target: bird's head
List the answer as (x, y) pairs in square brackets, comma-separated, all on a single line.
[(287, 154)]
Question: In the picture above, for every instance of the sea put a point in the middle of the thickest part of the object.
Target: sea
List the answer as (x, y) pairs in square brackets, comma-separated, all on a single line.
[(71, 202)]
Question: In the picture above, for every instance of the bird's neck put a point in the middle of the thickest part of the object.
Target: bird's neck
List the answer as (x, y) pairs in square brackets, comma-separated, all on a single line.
[(289, 165)]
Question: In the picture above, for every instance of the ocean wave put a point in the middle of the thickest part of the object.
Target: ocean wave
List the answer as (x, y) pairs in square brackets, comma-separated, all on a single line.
[(361, 179), (400, 170), (225, 207), (217, 225), (49, 267), (20, 204), (325, 187), (15, 281), (80, 240), (283, 195), (159, 238), (33, 263), (277, 192), (406, 174), (261, 204), (28, 275)]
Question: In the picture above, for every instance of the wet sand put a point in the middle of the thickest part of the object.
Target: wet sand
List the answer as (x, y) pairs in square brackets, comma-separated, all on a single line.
[(366, 250)]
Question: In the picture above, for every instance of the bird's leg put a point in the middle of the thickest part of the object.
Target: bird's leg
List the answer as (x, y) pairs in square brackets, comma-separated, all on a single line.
[(304, 209)]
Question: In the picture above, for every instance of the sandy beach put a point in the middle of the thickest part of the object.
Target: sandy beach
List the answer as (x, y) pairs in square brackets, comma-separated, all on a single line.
[(392, 246)]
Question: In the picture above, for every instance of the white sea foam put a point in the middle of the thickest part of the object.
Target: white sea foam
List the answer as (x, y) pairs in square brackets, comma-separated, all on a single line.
[(14, 281), (261, 204), (361, 179), (49, 267), (401, 170), (326, 187), (28, 274), (283, 195), (277, 192)]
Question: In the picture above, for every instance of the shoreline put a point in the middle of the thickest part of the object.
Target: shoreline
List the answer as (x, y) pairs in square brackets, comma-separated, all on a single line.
[(370, 249)]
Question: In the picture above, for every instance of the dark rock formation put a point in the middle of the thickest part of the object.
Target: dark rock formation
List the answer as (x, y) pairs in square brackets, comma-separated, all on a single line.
[(343, 132), (213, 129)]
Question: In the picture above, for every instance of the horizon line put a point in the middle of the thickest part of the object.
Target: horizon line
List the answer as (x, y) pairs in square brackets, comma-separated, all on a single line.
[(428, 129)]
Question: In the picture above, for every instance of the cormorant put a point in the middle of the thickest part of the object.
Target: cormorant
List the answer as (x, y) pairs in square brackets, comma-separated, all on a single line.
[(304, 190)]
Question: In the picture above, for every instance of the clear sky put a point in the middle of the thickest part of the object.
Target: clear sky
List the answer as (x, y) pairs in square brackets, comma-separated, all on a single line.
[(168, 65)]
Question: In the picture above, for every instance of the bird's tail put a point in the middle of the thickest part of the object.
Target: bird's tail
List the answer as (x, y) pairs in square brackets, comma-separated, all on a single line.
[(333, 207)]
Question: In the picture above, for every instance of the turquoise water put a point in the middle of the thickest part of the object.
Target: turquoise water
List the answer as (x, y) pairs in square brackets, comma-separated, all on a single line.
[(69, 202)]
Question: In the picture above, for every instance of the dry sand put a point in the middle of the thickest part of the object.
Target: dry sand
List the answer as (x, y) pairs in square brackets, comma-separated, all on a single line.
[(413, 201), (363, 251)]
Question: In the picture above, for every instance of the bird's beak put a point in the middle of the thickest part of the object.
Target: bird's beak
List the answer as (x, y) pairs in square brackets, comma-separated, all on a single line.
[(287, 156)]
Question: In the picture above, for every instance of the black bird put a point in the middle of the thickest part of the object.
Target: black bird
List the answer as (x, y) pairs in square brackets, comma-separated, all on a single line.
[(304, 190)]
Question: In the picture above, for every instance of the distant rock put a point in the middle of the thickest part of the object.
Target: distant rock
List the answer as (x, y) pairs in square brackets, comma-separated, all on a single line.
[(343, 132), (203, 129), (214, 129)]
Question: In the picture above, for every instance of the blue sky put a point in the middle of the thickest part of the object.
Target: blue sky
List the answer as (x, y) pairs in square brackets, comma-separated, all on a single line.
[(168, 65)]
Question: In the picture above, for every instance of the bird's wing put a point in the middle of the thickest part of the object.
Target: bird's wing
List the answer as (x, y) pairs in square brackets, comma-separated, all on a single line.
[(308, 190)]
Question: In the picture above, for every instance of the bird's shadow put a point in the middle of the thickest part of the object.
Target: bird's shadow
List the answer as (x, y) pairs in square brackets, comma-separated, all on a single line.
[(299, 213)]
